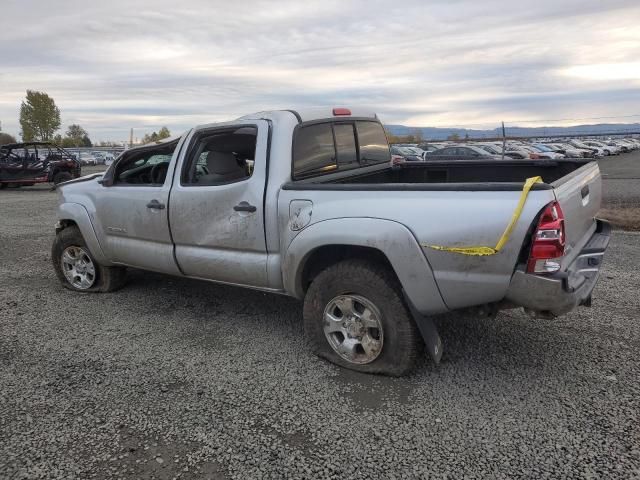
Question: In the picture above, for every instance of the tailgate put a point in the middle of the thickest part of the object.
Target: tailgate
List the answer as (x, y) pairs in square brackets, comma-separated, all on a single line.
[(579, 195)]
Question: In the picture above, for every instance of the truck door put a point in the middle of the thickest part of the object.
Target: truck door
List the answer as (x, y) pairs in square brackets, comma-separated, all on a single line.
[(132, 208), (217, 204)]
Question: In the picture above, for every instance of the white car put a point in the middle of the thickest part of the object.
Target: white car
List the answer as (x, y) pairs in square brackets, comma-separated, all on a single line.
[(627, 142), (598, 151), (545, 150), (534, 153), (518, 151), (571, 151), (608, 149)]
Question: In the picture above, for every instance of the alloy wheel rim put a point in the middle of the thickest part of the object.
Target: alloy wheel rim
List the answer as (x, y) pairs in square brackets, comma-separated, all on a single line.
[(352, 325), (78, 267)]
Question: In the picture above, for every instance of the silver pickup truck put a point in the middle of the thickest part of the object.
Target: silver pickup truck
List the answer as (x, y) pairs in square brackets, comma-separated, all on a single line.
[(307, 204)]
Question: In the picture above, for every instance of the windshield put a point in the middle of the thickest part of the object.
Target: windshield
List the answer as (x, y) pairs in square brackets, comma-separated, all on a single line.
[(543, 148), (490, 149)]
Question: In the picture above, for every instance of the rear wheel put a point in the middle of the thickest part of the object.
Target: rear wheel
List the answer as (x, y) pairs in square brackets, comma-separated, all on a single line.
[(62, 177), (77, 269), (355, 317)]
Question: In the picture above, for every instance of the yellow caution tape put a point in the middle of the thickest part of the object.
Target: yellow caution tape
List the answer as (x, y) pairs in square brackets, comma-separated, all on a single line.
[(483, 251)]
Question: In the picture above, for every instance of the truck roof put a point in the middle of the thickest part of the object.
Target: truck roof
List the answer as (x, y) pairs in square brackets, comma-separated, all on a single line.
[(309, 114)]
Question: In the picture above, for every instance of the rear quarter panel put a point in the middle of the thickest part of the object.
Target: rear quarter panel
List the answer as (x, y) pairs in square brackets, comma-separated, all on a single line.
[(447, 218)]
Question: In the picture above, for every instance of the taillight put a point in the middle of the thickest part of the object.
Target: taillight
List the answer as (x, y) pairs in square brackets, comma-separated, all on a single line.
[(547, 247), (534, 156)]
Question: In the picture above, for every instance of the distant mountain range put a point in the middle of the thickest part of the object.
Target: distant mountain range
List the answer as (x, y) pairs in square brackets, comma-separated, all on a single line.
[(436, 133)]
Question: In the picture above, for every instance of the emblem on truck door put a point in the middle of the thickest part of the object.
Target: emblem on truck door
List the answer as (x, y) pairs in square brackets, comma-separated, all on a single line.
[(300, 214)]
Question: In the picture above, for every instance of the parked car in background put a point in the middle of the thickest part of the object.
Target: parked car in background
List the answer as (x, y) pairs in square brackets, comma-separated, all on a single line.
[(518, 151), (607, 149), (108, 158), (409, 154), (547, 151), (624, 147), (625, 143), (86, 159), (413, 148), (634, 142), (429, 147), (460, 152), (597, 151), (570, 151), (490, 147)]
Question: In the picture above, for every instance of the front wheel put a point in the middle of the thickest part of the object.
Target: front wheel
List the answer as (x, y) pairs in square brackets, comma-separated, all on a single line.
[(355, 317), (77, 269)]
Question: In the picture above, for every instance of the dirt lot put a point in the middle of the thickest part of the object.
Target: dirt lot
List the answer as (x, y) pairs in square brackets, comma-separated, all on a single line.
[(173, 378)]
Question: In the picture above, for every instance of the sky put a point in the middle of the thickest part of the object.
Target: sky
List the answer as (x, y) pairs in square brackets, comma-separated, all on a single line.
[(114, 65)]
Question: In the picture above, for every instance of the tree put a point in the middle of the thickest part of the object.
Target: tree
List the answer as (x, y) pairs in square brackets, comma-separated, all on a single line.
[(454, 137), (39, 117), (6, 138), (154, 137), (164, 133), (76, 136)]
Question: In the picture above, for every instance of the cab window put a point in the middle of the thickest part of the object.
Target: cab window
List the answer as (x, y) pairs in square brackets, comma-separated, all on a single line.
[(221, 156), (146, 166), (325, 147)]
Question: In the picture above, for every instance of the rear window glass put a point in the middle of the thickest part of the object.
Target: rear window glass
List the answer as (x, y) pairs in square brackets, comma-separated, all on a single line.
[(346, 145), (373, 143), (325, 147), (313, 150)]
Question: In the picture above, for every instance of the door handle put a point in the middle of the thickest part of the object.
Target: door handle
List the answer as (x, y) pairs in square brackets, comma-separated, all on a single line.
[(155, 204), (244, 207)]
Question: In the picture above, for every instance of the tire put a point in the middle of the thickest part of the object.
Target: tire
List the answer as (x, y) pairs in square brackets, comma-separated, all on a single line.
[(3, 186), (104, 279), (376, 289), (62, 177)]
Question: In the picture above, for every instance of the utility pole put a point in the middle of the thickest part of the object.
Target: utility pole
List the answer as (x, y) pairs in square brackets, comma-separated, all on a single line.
[(504, 141), (131, 138)]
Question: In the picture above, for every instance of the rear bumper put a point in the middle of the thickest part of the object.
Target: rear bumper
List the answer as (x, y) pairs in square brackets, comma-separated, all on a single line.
[(561, 292)]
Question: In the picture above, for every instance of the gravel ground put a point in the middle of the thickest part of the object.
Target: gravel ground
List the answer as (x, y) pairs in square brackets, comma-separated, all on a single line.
[(172, 378), (621, 180)]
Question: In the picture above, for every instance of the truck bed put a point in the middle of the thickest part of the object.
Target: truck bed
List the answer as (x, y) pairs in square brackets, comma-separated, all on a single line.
[(458, 204), (436, 175)]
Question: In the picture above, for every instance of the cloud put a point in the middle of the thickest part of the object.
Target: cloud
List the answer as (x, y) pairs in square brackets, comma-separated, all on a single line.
[(115, 65)]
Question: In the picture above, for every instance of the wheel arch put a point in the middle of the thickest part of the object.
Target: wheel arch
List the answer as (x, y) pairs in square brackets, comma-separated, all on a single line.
[(74, 214), (381, 241)]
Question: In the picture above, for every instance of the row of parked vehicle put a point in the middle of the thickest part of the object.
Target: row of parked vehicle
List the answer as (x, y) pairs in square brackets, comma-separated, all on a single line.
[(549, 149), (94, 158)]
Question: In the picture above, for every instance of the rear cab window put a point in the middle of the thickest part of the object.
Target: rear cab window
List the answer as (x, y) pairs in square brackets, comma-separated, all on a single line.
[(324, 147)]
